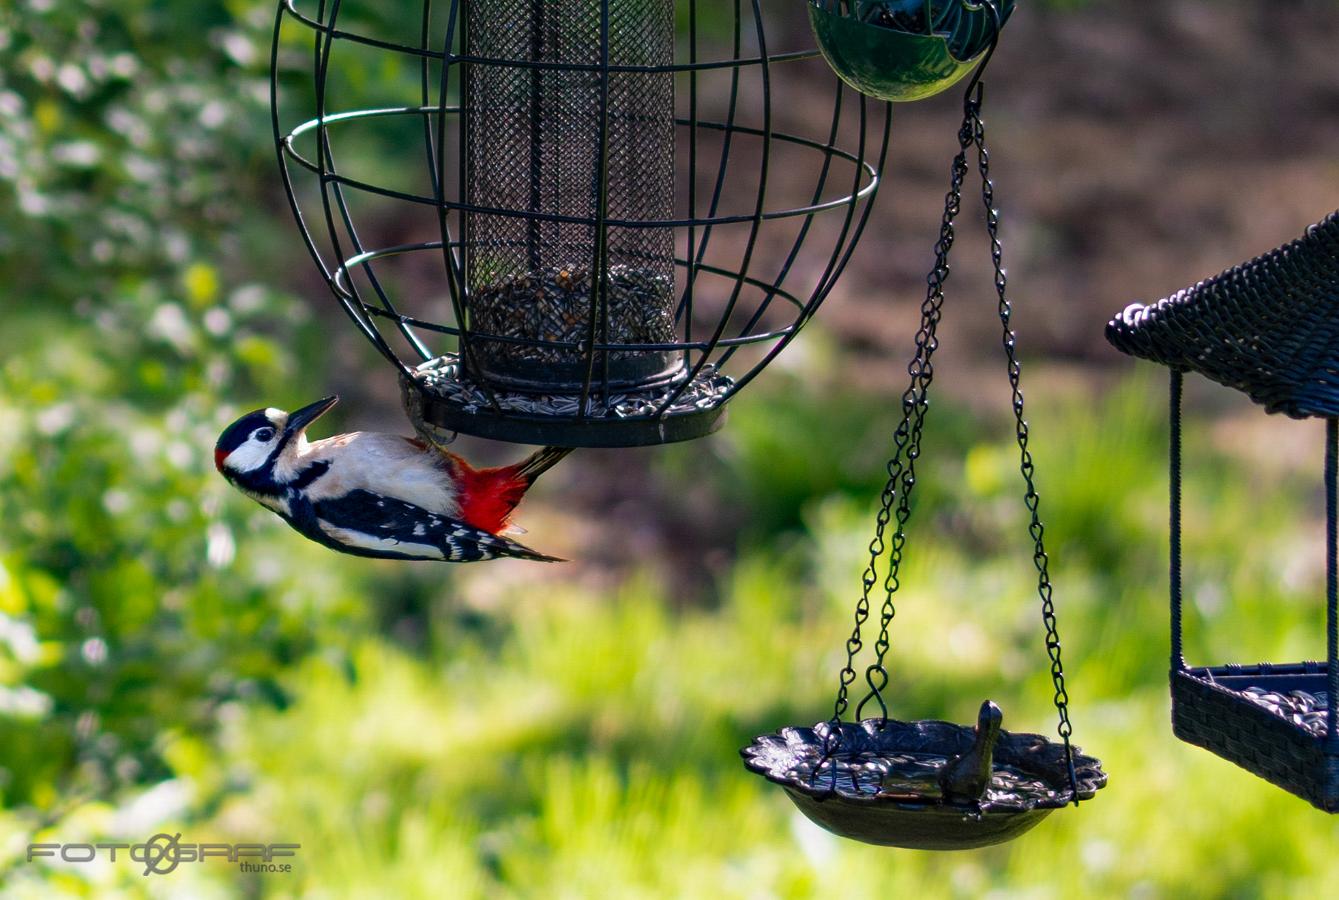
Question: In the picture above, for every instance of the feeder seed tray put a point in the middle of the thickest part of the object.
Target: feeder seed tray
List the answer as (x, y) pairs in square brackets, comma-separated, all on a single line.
[(442, 398), (886, 772), (1270, 719)]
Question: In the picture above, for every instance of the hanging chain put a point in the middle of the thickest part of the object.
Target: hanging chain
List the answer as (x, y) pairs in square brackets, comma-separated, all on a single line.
[(915, 403), (907, 443), (1026, 467), (907, 447)]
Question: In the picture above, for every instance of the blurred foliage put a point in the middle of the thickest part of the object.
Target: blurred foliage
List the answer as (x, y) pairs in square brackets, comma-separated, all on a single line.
[(173, 659), (123, 127), (130, 172)]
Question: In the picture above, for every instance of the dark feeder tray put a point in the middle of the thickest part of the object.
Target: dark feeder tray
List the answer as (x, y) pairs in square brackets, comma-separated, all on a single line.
[(895, 788), (888, 57)]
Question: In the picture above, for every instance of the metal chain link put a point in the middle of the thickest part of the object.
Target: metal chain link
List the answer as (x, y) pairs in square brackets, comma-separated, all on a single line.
[(915, 403), (1010, 341), (906, 441), (907, 447)]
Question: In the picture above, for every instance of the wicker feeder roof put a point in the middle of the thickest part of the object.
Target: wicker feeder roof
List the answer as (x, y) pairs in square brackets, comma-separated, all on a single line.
[(1268, 327)]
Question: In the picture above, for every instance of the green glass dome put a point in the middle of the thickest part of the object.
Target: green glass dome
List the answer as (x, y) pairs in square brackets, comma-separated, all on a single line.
[(903, 50)]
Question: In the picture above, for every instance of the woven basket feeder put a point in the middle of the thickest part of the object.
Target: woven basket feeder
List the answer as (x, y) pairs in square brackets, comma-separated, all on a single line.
[(1268, 328), (592, 250)]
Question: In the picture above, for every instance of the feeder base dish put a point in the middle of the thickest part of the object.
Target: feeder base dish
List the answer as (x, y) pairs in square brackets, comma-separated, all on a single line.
[(915, 827), (441, 398), (879, 784)]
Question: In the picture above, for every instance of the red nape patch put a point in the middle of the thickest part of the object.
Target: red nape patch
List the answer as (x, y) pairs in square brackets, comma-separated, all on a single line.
[(488, 496), (219, 457)]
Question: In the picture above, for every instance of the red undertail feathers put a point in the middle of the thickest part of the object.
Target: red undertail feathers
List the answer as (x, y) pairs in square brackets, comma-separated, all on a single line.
[(489, 496)]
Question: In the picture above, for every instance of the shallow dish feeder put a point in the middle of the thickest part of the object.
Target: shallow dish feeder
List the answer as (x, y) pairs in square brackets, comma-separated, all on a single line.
[(590, 252), (902, 50), (881, 785), (1269, 328), (933, 785)]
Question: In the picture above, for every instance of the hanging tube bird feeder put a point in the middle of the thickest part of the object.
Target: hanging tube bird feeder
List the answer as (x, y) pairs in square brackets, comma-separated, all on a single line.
[(933, 785), (594, 249), (1269, 328)]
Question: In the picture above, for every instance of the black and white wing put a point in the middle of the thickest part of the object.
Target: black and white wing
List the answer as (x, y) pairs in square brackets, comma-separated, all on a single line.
[(367, 524)]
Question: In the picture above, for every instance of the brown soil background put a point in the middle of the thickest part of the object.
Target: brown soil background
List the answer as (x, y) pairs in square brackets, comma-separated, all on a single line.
[(1137, 147)]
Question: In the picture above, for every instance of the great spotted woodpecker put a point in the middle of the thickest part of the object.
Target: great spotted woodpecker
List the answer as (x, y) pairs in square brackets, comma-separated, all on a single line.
[(374, 494)]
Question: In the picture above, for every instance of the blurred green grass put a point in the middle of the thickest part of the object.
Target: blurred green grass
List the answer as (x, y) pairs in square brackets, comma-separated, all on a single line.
[(592, 752), (558, 740)]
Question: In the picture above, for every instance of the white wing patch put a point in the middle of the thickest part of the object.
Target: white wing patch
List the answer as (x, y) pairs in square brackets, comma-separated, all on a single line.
[(365, 541), (384, 464)]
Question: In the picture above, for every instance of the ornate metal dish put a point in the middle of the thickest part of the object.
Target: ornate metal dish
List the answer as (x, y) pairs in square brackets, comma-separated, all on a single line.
[(886, 788)]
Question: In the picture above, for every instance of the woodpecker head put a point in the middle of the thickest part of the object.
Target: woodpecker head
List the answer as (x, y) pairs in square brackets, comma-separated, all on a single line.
[(252, 452)]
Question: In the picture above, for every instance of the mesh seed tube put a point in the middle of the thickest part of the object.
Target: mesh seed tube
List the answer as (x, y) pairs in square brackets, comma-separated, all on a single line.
[(586, 144)]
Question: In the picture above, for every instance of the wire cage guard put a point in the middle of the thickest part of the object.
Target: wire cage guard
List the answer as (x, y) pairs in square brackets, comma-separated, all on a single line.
[(1269, 328), (626, 222)]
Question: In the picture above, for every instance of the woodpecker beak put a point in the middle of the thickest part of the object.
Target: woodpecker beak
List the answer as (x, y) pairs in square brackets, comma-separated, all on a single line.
[(299, 419)]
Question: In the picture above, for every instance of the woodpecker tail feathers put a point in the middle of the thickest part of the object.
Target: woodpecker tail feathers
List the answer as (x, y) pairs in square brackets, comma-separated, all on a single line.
[(540, 462), (520, 551)]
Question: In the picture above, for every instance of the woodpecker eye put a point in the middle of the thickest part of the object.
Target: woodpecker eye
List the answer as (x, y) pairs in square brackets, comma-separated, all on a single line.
[(262, 434)]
